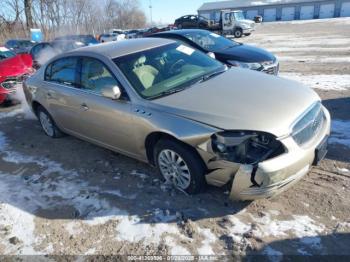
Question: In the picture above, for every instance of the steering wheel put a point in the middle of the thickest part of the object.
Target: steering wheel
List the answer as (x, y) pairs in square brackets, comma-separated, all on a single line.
[(174, 68)]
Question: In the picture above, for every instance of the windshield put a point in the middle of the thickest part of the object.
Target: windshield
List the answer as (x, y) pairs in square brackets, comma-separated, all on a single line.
[(5, 53), (171, 68), (209, 41), (239, 15)]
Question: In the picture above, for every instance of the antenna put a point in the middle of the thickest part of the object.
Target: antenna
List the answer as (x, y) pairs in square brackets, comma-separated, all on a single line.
[(150, 10)]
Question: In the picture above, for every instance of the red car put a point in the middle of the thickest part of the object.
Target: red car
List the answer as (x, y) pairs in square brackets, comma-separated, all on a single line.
[(13, 69)]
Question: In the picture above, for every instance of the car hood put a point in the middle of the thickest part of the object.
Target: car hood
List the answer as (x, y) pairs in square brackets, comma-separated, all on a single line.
[(242, 99), (16, 66), (245, 53)]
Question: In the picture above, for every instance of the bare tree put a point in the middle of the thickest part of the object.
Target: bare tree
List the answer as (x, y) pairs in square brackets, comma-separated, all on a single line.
[(28, 12), (59, 17)]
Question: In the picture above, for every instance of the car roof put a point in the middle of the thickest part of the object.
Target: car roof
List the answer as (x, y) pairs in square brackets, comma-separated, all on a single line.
[(181, 32), (124, 47)]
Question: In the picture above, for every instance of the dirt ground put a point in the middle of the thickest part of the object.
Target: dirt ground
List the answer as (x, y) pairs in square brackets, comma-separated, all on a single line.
[(66, 196)]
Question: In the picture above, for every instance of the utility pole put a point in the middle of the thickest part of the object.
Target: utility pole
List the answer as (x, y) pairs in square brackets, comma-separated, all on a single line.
[(150, 10)]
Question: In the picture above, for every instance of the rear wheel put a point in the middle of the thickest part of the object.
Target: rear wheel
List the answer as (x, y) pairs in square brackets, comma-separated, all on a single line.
[(48, 124), (180, 165), (238, 33)]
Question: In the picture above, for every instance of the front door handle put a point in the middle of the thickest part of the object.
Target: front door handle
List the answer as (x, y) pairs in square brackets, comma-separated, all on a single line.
[(84, 107)]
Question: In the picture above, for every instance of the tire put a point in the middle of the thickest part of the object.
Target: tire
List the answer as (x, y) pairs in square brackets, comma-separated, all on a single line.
[(48, 124), (238, 33), (191, 180)]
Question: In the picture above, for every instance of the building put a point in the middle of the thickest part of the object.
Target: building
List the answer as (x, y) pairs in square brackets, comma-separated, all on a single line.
[(279, 10)]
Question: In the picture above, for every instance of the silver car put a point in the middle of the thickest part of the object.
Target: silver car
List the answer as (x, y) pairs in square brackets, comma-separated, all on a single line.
[(197, 121)]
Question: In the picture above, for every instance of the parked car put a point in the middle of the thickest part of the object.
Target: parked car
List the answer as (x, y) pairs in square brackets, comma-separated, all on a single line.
[(42, 52), (5, 53), (85, 39), (191, 21), (225, 50), (178, 109), (112, 37), (258, 19), (132, 34), (19, 46), (151, 31), (12, 71), (108, 37)]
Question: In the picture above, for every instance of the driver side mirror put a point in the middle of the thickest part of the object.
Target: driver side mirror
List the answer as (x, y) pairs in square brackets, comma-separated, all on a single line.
[(113, 93)]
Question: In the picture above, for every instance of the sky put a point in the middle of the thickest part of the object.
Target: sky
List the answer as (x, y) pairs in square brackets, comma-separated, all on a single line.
[(166, 11)]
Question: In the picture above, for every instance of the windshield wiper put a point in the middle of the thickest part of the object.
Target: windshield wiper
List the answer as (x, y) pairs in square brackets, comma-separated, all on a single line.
[(166, 93), (211, 75)]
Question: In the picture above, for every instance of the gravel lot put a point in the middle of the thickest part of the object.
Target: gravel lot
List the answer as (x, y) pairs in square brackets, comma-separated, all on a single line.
[(66, 196)]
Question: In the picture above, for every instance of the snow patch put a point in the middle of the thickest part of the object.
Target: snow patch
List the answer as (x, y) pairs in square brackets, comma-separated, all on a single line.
[(132, 229), (343, 170), (324, 82), (175, 249), (209, 239)]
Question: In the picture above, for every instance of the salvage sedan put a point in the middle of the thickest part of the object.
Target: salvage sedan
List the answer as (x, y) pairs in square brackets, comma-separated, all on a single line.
[(187, 114)]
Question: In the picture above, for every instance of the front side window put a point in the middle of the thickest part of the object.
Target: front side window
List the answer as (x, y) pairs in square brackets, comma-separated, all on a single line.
[(210, 41), (95, 76), (160, 71), (62, 71)]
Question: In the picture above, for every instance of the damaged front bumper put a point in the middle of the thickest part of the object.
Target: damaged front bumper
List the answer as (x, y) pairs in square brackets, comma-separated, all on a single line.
[(273, 176)]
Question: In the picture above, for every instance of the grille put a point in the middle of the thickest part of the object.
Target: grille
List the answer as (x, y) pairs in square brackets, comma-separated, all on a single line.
[(309, 125)]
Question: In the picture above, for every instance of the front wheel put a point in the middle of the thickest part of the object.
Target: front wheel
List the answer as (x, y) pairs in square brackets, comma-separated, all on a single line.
[(47, 123), (238, 33), (180, 165)]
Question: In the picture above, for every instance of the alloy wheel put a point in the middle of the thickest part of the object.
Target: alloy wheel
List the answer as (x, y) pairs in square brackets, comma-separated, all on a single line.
[(46, 124), (174, 169)]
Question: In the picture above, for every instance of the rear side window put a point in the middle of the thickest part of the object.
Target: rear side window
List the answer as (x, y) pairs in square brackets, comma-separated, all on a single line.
[(62, 71)]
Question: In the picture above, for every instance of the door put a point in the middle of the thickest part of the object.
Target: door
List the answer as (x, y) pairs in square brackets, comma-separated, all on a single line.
[(251, 14), (103, 120), (270, 14), (288, 13), (326, 11), (307, 12), (345, 9), (61, 93), (227, 20)]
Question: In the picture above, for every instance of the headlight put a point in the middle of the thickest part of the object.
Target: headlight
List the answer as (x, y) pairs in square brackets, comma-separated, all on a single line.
[(246, 147), (252, 66)]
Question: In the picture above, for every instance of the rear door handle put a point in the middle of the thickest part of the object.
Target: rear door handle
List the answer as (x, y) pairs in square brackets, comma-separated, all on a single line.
[(84, 107)]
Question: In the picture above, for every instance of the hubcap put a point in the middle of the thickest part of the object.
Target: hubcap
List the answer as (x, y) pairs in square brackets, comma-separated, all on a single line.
[(46, 123), (174, 169)]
